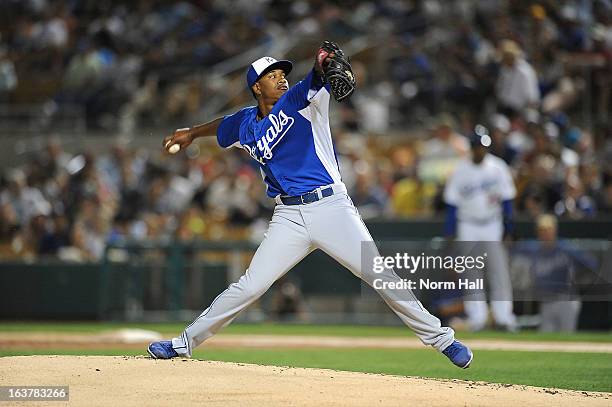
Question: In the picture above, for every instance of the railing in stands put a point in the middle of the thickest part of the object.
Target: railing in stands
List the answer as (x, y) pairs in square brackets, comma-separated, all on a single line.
[(42, 117)]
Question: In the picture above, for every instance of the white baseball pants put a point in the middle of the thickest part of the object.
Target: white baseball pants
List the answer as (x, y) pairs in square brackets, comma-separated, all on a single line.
[(333, 225)]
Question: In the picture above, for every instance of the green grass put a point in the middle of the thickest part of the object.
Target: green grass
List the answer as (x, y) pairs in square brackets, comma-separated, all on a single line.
[(291, 329), (577, 371)]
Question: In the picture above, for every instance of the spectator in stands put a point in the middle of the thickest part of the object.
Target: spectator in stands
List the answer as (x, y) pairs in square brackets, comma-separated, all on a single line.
[(243, 207), (517, 84), (8, 75), (410, 194), (21, 202), (541, 178), (369, 110), (500, 127), (54, 160), (574, 202), (55, 235), (441, 153), (605, 197), (192, 224), (369, 198), (90, 229)]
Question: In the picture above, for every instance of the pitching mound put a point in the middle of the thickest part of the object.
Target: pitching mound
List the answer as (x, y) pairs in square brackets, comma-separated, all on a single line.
[(140, 381)]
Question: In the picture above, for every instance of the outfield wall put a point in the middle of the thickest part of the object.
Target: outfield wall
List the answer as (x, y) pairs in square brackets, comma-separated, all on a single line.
[(170, 280)]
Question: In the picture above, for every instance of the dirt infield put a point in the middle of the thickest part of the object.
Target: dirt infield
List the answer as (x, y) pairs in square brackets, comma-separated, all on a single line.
[(139, 381)]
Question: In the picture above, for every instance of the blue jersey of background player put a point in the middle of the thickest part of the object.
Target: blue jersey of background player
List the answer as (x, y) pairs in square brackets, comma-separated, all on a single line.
[(287, 133)]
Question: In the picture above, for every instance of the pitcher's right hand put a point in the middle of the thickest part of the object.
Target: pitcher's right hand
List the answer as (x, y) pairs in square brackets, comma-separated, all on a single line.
[(182, 137)]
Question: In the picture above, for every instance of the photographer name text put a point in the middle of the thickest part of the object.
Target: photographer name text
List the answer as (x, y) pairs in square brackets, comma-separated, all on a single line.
[(427, 284)]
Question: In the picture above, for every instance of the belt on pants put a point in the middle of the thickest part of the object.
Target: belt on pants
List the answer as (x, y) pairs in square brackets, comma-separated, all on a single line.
[(307, 198)]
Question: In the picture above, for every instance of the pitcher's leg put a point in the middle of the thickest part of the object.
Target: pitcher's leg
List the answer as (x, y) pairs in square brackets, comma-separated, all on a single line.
[(339, 231), (285, 244)]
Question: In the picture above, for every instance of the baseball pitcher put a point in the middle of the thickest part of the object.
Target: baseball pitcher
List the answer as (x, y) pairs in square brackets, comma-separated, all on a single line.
[(288, 134)]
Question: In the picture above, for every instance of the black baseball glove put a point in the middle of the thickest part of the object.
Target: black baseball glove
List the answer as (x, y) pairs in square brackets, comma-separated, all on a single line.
[(336, 70)]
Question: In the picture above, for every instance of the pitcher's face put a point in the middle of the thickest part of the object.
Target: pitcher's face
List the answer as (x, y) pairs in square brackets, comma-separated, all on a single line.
[(272, 85)]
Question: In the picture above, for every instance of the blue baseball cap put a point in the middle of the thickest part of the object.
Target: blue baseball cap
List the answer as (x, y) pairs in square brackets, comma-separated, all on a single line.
[(263, 65)]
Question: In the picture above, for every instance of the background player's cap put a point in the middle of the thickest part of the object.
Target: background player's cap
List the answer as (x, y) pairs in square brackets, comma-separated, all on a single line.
[(480, 136), (263, 65)]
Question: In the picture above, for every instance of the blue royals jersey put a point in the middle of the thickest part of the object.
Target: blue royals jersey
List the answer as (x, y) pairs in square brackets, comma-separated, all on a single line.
[(293, 143)]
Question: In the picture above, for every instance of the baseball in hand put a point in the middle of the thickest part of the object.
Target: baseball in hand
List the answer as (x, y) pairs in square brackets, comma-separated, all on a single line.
[(174, 148)]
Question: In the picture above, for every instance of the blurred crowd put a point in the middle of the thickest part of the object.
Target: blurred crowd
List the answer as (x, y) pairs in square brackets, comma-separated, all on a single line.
[(71, 205), (129, 63), (536, 73)]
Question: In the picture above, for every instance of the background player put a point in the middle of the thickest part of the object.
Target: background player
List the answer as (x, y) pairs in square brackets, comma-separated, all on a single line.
[(288, 134), (479, 197)]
